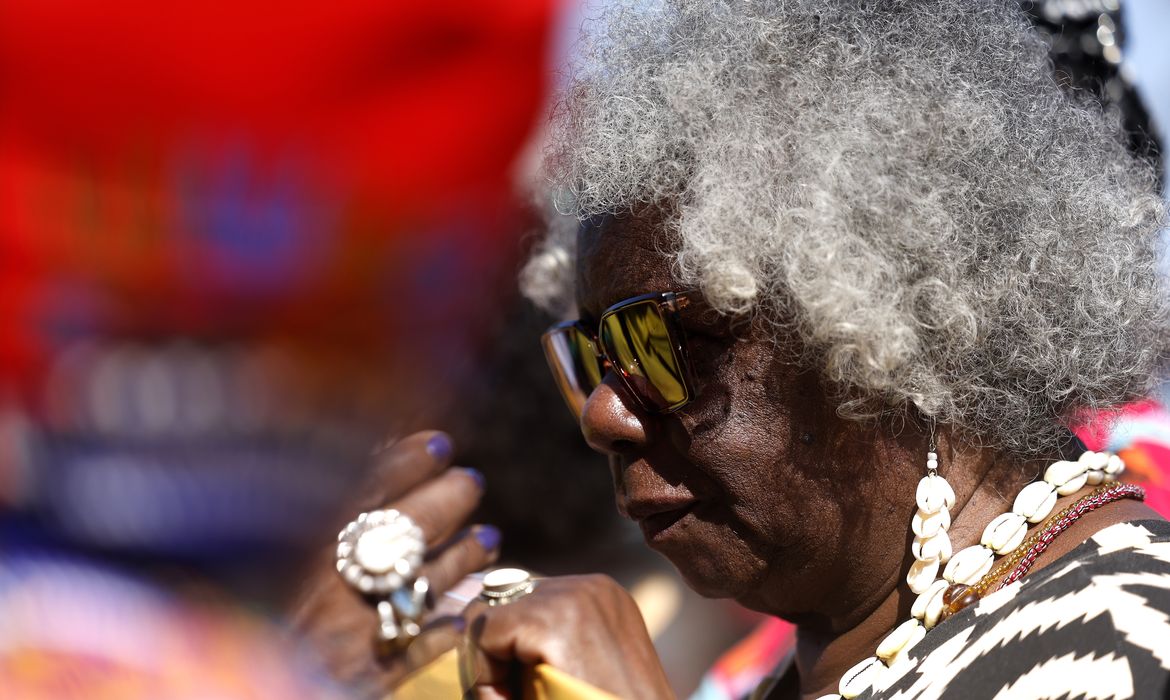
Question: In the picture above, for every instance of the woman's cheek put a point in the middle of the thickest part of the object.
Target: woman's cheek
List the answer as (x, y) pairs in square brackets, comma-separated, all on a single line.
[(713, 365)]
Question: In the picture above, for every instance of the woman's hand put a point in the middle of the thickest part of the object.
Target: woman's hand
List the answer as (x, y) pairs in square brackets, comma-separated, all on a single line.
[(586, 626), (414, 477)]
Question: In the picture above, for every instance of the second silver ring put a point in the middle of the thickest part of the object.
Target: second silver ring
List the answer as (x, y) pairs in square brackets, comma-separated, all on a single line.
[(504, 586)]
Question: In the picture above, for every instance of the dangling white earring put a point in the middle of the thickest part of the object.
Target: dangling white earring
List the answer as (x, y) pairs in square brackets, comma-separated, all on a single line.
[(931, 547)]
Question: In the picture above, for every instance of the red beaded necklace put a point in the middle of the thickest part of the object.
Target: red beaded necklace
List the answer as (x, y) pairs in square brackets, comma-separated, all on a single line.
[(1020, 561), (1061, 523)]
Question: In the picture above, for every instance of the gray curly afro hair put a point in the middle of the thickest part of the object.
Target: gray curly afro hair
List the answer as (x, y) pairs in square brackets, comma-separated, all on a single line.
[(901, 184)]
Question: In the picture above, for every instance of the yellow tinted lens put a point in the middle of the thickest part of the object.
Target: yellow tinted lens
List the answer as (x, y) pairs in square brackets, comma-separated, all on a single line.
[(588, 361), (574, 362), (639, 342)]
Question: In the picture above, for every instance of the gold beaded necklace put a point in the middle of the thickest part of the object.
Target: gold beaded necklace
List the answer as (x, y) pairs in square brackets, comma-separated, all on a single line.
[(959, 596)]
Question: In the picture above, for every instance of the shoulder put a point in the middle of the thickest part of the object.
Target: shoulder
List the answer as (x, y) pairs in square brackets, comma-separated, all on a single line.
[(1095, 623)]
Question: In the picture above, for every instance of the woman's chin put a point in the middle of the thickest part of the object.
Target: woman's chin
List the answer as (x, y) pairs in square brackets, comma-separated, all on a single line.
[(709, 584), (712, 561)]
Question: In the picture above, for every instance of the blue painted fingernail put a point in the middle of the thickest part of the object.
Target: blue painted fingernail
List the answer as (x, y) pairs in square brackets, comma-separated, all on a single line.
[(439, 447), (476, 474), (488, 536)]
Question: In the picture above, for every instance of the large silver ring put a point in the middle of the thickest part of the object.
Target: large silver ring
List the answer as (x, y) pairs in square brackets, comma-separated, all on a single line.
[(380, 555), (504, 586)]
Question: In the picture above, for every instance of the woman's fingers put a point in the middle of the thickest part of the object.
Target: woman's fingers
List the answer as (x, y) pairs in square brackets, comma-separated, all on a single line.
[(489, 671), (586, 626), (525, 631), (404, 465), (473, 550), (415, 477), (412, 476), (508, 637), (441, 505), (453, 601), (438, 637)]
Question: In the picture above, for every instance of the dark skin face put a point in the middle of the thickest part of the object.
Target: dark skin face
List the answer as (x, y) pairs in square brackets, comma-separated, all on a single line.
[(731, 488), (756, 490)]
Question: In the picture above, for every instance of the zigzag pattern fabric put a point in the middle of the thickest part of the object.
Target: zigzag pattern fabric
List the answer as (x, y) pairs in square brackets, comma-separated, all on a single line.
[(1094, 624)]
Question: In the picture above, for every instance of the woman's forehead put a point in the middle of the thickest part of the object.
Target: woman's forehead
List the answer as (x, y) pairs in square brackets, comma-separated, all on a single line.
[(621, 256)]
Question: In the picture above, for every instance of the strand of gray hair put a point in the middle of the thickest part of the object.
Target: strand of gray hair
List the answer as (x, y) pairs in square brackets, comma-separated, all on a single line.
[(901, 184)]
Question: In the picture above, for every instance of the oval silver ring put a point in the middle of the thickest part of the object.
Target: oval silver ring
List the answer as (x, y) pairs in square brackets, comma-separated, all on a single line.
[(504, 586)]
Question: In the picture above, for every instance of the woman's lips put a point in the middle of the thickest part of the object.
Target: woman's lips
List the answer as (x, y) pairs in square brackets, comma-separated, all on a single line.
[(659, 525)]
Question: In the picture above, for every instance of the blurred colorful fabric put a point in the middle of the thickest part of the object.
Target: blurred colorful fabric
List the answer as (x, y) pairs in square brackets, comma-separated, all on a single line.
[(70, 629), (296, 168), (1140, 434), (237, 242), (743, 667)]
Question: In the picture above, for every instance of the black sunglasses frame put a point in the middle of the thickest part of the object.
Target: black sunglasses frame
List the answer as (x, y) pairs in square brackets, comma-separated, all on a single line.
[(668, 304)]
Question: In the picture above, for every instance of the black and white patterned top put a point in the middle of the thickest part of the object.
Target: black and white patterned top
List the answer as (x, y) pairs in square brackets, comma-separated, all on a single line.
[(1093, 624)]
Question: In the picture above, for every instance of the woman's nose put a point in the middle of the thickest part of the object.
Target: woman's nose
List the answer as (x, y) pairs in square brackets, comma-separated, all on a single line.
[(612, 421)]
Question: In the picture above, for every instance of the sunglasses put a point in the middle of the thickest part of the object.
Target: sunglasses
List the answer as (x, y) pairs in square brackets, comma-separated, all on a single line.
[(639, 338)]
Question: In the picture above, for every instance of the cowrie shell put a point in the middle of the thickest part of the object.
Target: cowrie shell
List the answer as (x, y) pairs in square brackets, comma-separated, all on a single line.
[(928, 498), (922, 574), (934, 608), (1094, 477), (1072, 485), (1060, 473), (918, 610), (928, 548), (948, 492), (858, 679), (1095, 460), (1005, 533), (915, 638), (897, 639), (930, 524), (1114, 465), (934, 494), (1035, 501), (969, 565)]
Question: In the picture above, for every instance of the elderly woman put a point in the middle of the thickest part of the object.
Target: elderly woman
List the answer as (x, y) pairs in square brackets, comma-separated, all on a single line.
[(845, 272)]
